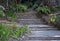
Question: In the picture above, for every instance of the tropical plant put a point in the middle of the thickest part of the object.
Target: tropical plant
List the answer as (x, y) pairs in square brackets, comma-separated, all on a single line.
[(43, 10), (20, 31), (58, 20), (52, 18), (6, 31), (21, 8), (55, 19), (12, 8), (57, 8), (35, 6), (10, 15)]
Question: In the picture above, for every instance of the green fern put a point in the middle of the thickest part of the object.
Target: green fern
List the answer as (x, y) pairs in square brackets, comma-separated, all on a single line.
[(43, 10)]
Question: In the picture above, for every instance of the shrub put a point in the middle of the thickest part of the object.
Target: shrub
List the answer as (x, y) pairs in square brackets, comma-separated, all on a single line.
[(43, 10), (20, 31), (35, 6), (52, 18), (12, 8), (55, 19), (57, 8), (10, 15), (21, 8), (58, 20), (6, 32)]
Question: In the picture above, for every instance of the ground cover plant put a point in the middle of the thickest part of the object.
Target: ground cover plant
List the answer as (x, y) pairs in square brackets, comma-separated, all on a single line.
[(7, 31), (43, 10), (55, 19), (57, 8), (21, 8), (10, 15)]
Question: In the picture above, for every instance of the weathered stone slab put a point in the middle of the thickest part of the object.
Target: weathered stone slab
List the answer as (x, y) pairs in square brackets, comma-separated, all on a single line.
[(29, 21), (45, 34)]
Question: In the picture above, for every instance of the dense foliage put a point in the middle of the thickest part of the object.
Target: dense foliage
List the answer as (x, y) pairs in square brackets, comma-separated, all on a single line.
[(20, 32), (10, 15), (6, 32), (43, 10), (35, 6), (57, 8), (7, 14), (21, 8), (55, 19)]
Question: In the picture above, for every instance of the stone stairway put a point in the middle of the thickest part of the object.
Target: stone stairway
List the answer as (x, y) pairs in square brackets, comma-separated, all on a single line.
[(39, 30)]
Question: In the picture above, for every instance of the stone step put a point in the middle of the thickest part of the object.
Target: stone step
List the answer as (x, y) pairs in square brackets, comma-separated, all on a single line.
[(44, 35), (43, 29), (42, 40), (30, 21), (40, 26), (28, 15), (37, 26)]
